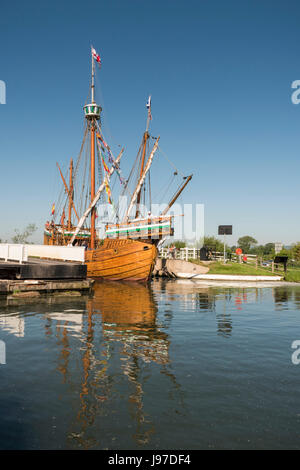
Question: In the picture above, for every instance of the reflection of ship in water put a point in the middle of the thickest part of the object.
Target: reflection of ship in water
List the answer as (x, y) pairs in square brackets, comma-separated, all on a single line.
[(131, 334), (129, 315), (103, 347), (119, 335)]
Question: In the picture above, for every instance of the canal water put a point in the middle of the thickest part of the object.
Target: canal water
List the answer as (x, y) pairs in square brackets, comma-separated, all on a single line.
[(172, 365)]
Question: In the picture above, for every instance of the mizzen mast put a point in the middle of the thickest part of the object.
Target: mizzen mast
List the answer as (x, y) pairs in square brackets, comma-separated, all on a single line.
[(145, 139), (141, 181)]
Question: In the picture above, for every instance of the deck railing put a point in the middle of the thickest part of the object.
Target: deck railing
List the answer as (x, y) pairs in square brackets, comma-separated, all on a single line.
[(153, 227)]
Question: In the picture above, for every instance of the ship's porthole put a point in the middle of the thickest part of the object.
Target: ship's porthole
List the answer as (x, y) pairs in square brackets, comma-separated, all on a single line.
[(146, 248), (115, 250)]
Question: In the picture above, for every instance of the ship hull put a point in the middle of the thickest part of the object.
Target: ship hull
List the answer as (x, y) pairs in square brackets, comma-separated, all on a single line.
[(121, 259)]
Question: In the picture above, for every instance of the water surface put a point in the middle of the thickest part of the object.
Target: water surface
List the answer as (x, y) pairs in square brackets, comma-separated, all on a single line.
[(172, 365)]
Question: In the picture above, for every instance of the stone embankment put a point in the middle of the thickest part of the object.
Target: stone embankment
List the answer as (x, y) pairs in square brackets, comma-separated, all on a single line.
[(173, 267)]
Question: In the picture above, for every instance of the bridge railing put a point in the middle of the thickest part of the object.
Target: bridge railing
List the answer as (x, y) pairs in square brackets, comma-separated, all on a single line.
[(21, 253), (13, 252)]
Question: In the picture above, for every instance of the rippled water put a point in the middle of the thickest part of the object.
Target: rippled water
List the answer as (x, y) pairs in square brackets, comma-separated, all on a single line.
[(172, 365)]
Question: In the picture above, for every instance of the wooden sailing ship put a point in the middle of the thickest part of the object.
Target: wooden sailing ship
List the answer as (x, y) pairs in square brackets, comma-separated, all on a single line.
[(128, 248)]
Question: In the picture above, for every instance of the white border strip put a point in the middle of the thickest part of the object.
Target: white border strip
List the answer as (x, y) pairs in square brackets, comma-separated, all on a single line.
[(227, 277)]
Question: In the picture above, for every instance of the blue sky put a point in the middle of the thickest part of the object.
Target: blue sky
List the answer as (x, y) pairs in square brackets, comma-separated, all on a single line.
[(220, 75)]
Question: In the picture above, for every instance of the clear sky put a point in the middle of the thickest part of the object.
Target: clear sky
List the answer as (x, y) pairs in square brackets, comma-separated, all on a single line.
[(220, 75)]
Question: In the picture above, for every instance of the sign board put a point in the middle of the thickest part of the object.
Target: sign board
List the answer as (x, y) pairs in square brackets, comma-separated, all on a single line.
[(283, 260), (280, 259), (225, 230)]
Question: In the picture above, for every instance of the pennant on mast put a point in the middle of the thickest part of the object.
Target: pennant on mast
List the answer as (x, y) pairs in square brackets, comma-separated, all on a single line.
[(107, 188), (104, 165)]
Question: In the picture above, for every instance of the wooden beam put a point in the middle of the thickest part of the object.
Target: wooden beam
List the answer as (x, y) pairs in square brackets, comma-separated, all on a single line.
[(177, 194)]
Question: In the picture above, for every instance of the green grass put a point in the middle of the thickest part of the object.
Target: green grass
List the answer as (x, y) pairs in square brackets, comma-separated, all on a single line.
[(238, 269), (292, 275)]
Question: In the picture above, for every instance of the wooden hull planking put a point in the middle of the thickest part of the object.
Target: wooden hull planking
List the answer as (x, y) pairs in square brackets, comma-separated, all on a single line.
[(117, 259)]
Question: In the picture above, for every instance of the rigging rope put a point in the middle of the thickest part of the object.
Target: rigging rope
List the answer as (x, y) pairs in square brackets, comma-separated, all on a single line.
[(80, 152), (169, 161), (171, 180)]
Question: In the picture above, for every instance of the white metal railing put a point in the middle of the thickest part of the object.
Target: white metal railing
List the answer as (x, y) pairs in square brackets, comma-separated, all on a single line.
[(21, 253), (194, 253), (183, 253), (13, 252), (64, 253), (250, 258)]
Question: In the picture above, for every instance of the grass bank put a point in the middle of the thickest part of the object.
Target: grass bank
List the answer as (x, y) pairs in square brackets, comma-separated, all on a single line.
[(238, 269), (292, 275)]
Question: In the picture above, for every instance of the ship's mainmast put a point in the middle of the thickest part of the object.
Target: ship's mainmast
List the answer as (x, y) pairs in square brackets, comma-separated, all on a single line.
[(92, 113)]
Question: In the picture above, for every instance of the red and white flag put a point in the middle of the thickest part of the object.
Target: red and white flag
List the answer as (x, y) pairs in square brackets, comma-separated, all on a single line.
[(96, 56)]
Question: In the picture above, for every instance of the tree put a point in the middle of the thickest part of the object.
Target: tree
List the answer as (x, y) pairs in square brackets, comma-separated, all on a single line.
[(263, 250), (246, 243), (213, 244), (269, 249), (21, 237), (178, 244), (296, 251), (285, 252)]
